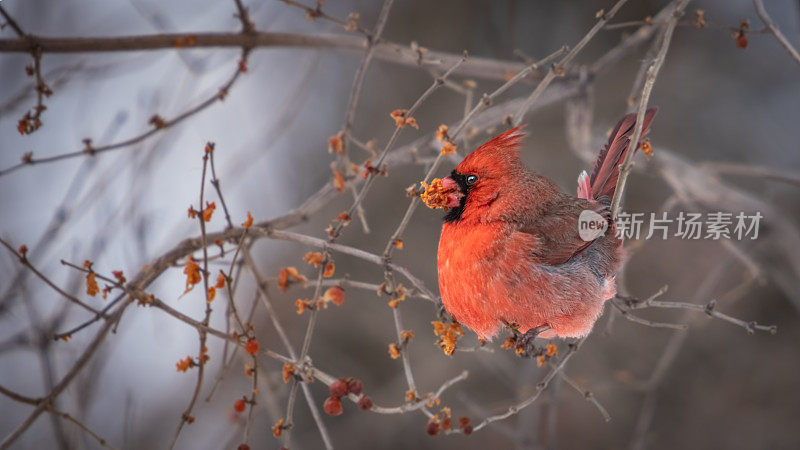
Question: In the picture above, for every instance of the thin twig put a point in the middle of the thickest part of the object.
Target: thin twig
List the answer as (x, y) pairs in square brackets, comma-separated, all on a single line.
[(762, 14), (484, 102), (560, 68), (541, 386), (404, 408), (24, 261), (358, 81), (13, 23), (649, 323), (485, 68), (382, 157), (66, 380), (709, 308), (186, 417), (588, 395), (652, 73), (262, 285), (159, 126), (788, 176), (51, 409), (353, 251)]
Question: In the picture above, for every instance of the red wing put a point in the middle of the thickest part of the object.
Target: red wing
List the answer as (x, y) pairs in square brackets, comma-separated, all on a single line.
[(556, 231)]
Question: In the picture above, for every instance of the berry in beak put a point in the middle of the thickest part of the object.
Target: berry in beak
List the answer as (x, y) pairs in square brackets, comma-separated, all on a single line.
[(442, 193), (454, 193)]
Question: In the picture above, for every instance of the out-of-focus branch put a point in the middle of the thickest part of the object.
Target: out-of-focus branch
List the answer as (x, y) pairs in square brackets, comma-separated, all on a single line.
[(791, 177), (587, 395), (668, 357), (637, 38), (652, 73), (343, 158), (24, 261), (51, 409), (66, 380), (13, 24), (358, 81), (762, 14), (486, 68), (159, 125), (559, 68)]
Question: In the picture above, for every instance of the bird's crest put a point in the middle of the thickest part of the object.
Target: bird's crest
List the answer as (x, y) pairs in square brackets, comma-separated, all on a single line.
[(500, 151)]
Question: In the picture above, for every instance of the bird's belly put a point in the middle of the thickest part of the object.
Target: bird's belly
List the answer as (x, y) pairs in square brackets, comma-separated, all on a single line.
[(486, 281)]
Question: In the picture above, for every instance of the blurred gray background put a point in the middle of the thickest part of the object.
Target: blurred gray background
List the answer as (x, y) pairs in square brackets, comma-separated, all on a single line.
[(722, 387)]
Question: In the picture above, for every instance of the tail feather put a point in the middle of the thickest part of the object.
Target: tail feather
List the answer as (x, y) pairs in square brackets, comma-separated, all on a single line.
[(603, 181), (584, 188)]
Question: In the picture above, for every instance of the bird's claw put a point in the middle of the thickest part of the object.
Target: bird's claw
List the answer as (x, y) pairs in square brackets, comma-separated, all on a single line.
[(525, 345)]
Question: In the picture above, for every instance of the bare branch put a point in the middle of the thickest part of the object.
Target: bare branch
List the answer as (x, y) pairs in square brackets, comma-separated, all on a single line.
[(762, 14), (559, 68), (159, 125), (540, 387), (487, 68), (588, 395), (24, 261), (652, 73), (12, 23)]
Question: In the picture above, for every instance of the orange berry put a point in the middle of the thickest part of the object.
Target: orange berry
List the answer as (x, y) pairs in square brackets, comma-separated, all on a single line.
[(251, 347), (335, 294), (240, 405)]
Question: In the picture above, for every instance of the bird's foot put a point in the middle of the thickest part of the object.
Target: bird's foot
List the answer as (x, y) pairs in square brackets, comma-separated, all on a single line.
[(525, 346)]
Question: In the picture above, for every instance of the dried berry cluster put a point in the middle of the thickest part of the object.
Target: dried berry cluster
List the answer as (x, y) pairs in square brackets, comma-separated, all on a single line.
[(448, 147), (342, 388), (448, 335), (401, 118), (444, 422), (395, 348), (525, 350), (435, 195)]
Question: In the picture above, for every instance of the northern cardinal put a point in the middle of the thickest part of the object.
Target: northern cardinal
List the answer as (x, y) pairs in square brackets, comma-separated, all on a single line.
[(510, 252)]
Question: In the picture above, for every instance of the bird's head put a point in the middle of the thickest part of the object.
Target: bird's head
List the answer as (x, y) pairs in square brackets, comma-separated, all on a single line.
[(483, 176)]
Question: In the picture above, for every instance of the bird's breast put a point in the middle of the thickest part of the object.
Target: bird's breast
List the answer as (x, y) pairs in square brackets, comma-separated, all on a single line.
[(469, 260)]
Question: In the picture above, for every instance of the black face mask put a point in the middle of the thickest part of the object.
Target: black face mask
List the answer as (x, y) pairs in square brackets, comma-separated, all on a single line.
[(454, 215)]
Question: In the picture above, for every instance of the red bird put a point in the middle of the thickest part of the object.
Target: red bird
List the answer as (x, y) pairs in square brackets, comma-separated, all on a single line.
[(510, 251)]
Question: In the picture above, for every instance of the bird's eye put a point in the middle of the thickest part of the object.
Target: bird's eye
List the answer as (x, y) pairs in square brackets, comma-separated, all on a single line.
[(471, 179)]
